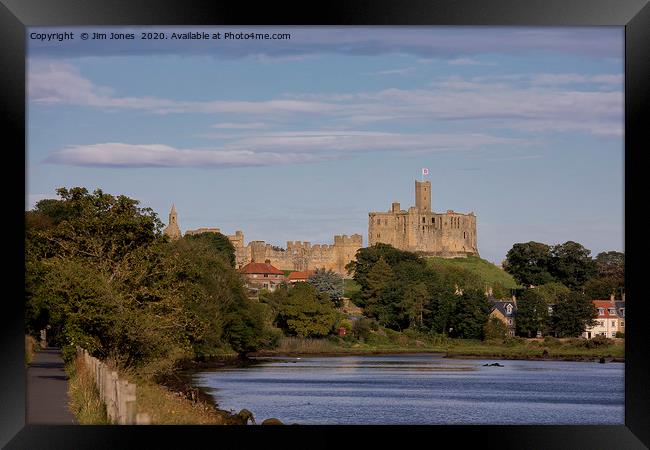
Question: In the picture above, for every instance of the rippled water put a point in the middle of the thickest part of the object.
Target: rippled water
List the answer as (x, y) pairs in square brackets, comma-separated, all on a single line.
[(420, 389)]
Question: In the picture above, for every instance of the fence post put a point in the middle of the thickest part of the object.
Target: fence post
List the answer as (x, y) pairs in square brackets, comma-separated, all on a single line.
[(130, 404), (143, 419)]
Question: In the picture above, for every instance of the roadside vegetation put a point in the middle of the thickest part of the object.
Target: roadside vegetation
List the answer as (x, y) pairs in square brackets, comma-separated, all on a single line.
[(31, 346)]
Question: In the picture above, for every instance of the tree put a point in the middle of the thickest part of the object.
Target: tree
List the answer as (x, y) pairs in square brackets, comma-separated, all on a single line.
[(571, 264), (572, 315), (366, 258), (100, 272), (532, 313), (378, 277), (529, 263), (414, 303), (610, 264), (470, 315), (495, 329), (301, 312), (551, 292), (219, 243), (602, 288), (328, 282)]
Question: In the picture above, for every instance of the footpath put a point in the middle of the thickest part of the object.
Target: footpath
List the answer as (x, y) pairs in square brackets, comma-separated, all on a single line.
[(47, 389)]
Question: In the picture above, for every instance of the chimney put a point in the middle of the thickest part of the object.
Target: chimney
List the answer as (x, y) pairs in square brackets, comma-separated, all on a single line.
[(395, 207), (611, 297)]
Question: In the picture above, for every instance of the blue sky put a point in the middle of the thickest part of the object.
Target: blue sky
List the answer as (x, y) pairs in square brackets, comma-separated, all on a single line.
[(299, 139)]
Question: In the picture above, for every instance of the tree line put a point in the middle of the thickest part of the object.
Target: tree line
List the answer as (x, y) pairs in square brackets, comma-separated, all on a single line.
[(102, 275)]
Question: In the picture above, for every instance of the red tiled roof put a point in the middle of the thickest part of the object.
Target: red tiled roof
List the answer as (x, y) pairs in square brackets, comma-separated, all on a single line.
[(606, 304), (300, 275), (254, 267)]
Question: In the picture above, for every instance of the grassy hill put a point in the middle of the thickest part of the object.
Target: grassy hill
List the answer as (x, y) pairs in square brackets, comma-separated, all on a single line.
[(486, 271)]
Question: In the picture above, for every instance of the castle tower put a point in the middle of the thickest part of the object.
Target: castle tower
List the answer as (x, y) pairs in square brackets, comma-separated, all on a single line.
[(172, 229), (423, 195)]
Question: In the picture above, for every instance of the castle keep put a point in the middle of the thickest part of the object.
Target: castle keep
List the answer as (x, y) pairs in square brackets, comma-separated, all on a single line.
[(419, 229)]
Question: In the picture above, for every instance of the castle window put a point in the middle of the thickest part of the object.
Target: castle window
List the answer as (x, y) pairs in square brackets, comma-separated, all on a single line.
[(464, 235), (422, 228), (424, 220), (433, 220)]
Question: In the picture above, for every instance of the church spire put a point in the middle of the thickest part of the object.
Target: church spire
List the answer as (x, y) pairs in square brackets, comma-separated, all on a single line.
[(172, 230)]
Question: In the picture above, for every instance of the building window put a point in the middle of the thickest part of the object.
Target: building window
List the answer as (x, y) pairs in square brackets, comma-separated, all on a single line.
[(464, 235), (613, 333), (613, 323), (424, 220), (266, 275), (433, 220), (622, 312), (422, 227), (622, 323), (601, 311), (612, 311), (602, 323)]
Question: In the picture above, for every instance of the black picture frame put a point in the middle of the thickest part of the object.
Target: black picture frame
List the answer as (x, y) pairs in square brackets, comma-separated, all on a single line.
[(634, 15)]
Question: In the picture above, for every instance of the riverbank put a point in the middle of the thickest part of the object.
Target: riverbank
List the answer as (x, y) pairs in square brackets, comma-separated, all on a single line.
[(571, 349)]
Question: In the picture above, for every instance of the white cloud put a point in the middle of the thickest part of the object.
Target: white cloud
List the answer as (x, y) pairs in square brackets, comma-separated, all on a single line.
[(402, 71), (468, 62), (155, 155), (518, 101), (241, 126)]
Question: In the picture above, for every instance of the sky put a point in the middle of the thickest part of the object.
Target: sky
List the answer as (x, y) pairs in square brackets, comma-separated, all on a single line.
[(299, 138)]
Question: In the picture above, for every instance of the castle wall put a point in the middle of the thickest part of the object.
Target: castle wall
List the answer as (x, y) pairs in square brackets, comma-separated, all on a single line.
[(300, 255)]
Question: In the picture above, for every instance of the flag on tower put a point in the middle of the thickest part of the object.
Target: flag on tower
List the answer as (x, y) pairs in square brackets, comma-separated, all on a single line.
[(425, 171)]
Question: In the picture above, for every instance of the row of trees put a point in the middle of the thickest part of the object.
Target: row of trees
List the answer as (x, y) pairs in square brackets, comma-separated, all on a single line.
[(401, 291), (102, 275), (568, 265)]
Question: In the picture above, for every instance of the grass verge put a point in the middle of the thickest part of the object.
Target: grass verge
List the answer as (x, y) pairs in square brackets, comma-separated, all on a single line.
[(84, 399), (30, 349)]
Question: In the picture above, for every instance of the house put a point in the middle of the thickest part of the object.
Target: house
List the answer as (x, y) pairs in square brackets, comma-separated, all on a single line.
[(608, 322), (505, 311), (262, 276), (295, 277)]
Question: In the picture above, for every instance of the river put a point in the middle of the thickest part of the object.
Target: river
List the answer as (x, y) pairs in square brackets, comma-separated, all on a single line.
[(420, 389)]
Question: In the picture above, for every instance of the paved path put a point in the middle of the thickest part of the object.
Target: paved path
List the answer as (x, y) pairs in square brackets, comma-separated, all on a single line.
[(47, 389)]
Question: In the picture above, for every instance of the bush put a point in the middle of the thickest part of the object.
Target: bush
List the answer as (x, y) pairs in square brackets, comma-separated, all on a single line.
[(598, 341), (361, 328), (551, 341), (620, 335)]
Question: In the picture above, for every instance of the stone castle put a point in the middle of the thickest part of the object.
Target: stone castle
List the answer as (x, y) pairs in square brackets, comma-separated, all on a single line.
[(297, 255), (421, 230)]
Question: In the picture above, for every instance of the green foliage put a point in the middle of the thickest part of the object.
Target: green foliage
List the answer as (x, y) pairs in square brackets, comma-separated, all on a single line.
[(300, 311), (366, 258), (610, 264), (328, 282), (495, 329), (552, 292), (529, 263), (99, 271), (532, 313), (470, 315), (571, 264), (572, 315), (602, 288), (620, 334), (219, 243), (362, 328)]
